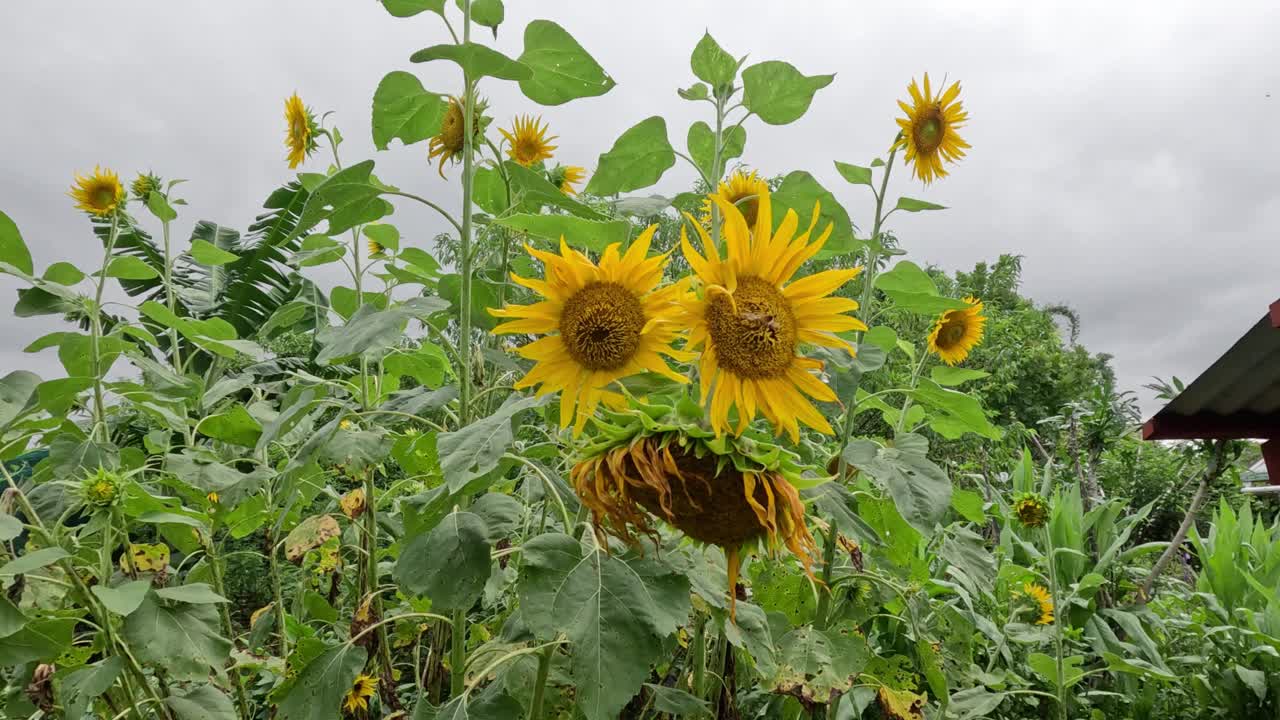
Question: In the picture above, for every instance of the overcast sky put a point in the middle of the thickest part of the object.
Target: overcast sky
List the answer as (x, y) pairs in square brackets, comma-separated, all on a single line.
[(1127, 149)]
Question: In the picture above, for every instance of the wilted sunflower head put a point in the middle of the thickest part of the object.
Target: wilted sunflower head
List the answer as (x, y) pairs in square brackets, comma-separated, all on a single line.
[(930, 129), (956, 332), (527, 140), (743, 190), (1032, 510), (449, 143), (566, 177), (728, 492), (102, 488), (145, 184), (357, 698), (300, 131), (1039, 595), (100, 193)]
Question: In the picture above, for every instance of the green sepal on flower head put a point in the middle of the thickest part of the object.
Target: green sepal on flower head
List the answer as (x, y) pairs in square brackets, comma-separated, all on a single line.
[(651, 460), (102, 489), (145, 184), (679, 415), (1031, 509)]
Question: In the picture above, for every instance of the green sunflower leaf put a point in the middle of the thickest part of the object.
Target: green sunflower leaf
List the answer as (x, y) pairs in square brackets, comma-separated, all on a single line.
[(450, 564), (81, 686), (855, 174), (778, 93), (637, 160), (183, 639), (12, 248), (711, 64), (580, 233), (489, 13), (476, 60), (348, 198), (202, 702), (913, 205), (206, 253), (560, 69), (403, 109), (954, 413), (800, 191), (127, 267), (913, 290), (317, 692), (920, 489), (615, 610), (409, 8)]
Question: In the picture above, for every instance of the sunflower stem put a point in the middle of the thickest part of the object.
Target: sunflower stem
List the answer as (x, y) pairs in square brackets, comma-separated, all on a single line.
[(458, 651), (1057, 627), (699, 655), (540, 684), (864, 305), (821, 621), (95, 334)]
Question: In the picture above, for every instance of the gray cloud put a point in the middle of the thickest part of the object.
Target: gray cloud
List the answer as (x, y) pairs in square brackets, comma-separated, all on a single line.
[(1125, 149)]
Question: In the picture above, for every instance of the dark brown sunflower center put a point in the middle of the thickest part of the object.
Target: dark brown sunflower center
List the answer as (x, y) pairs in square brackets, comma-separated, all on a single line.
[(600, 325), (757, 341), (952, 332), (929, 129)]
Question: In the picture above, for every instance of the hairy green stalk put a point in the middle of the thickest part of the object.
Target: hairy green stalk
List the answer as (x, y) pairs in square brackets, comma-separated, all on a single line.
[(95, 335)]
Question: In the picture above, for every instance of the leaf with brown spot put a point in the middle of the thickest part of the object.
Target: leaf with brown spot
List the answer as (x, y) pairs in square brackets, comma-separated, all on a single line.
[(308, 535)]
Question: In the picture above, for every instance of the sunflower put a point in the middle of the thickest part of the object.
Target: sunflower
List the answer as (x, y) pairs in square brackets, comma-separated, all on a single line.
[(451, 141), (143, 185), (376, 248), (529, 141), (102, 488), (929, 129), (1044, 603), (357, 698), (1031, 509), (727, 492), (566, 176), (611, 319), (956, 332), (751, 319), (300, 135), (743, 190), (99, 194)]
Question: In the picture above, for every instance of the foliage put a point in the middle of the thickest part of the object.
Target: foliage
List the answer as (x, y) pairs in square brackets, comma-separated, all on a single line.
[(253, 497)]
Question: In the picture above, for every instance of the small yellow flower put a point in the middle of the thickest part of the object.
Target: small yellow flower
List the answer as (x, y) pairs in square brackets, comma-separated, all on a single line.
[(300, 134), (376, 248), (1031, 510), (1044, 603), (567, 176), (451, 141), (529, 141), (143, 185), (357, 697), (212, 497), (743, 190), (353, 503), (99, 194), (956, 332), (929, 131), (346, 425)]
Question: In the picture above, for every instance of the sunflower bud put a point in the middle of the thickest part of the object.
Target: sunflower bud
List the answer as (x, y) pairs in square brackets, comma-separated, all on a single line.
[(102, 488), (144, 185), (1031, 509)]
